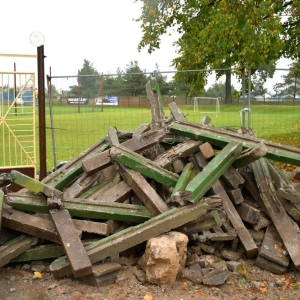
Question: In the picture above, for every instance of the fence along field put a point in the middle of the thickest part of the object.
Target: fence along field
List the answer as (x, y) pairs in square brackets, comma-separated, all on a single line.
[(71, 129)]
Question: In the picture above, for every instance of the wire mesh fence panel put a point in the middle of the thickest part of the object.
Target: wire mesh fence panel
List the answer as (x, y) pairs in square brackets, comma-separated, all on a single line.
[(79, 117)]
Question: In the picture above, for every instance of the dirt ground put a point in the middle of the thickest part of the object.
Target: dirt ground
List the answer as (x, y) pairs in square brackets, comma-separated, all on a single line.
[(18, 283)]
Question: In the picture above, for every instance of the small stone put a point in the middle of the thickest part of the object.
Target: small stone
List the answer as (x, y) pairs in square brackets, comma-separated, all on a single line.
[(279, 282), (11, 290), (232, 265), (12, 278), (255, 285), (193, 275)]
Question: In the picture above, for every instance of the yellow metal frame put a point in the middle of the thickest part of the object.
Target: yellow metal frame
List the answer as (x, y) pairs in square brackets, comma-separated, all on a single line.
[(17, 120)]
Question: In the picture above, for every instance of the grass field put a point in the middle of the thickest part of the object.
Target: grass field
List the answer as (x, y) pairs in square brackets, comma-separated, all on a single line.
[(76, 130)]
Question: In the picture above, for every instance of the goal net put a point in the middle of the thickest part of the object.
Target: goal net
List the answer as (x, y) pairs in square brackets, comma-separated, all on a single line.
[(197, 100)]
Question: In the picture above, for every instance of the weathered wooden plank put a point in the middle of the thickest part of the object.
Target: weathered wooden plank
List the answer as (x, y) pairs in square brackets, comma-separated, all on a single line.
[(118, 193), (272, 247), (235, 196), (176, 112), (44, 252), (135, 235), (69, 172), (276, 212), (138, 143), (15, 247), (33, 185), (250, 155), (30, 224), (73, 247), (92, 227), (145, 166), (187, 174), (221, 137), (184, 149), (243, 234), (142, 128), (247, 212), (96, 190), (156, 106), (269, 265), (88, 209), (232, 178), (81, 185), (201, 183), (143, 190)]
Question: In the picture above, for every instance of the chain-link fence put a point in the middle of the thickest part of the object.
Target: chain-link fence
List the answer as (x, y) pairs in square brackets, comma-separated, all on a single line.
[(75, 122)]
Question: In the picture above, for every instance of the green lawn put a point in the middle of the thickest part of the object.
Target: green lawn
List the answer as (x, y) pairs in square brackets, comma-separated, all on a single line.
[(75, 131)]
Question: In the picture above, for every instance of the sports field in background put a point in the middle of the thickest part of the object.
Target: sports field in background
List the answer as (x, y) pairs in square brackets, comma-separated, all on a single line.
[(75, 131)]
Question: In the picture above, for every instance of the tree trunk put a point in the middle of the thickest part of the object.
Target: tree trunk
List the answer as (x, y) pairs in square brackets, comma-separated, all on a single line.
[(228, 98)]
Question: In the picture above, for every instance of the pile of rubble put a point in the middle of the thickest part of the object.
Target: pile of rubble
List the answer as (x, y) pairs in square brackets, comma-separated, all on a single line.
[(180, 193)]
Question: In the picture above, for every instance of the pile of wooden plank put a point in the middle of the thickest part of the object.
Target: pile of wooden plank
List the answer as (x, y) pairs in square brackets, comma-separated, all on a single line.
[(219, 187)]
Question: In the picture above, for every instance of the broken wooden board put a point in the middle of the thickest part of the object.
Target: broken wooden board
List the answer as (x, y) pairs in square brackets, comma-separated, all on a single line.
[(86, 209), (145, 166), (176, 112), (221, 137), (73, 247), (33, 185), (272, 247), (15, 247), (118, 193), (143, 190), (69, 172), (250, 155), (30, 224), (81, 185), (188, 173), (243, 234), (269, 265), (184, 149), (203, 181), (92, 227), (156, 106), (135, 235), (276, 212), (41, 252), (138, 143), (236, 221)]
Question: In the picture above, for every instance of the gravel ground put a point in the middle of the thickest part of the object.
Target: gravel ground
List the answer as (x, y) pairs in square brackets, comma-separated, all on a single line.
[(254, 284)]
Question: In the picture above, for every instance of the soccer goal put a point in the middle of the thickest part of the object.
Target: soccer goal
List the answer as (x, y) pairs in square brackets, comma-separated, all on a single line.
[(198, 99)]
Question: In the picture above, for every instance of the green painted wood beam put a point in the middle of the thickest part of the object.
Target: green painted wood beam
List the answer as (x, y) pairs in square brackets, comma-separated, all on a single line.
[(142, 165), (221, 137), (203, 181), (188, 173), (84, 208)]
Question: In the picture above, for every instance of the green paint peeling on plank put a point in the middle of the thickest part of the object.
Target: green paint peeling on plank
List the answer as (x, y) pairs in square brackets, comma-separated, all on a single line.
[(203, 181), (145, 166), (84, 208), (221, 137)]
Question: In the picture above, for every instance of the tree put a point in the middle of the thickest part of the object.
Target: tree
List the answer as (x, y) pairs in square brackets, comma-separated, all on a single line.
[(291, 82), (222, 35), (134, 80), (161, 80), (89, 85)]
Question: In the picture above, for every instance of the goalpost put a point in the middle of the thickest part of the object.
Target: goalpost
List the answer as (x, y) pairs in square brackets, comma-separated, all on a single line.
[(196, 102)]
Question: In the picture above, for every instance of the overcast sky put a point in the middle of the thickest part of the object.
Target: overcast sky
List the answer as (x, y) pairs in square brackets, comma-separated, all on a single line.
[(102, 32)]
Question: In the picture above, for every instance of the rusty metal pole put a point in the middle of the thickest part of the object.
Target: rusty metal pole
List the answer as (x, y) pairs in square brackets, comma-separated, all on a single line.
[(42, 114)]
